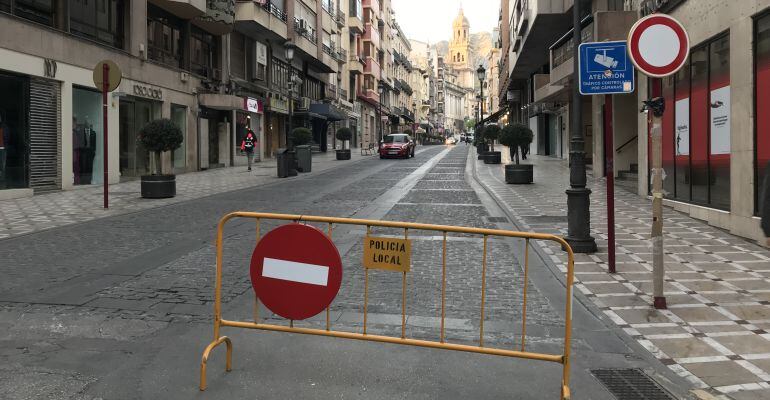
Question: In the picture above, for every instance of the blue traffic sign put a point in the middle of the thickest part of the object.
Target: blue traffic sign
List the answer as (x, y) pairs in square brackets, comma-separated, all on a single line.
[(605, 68)]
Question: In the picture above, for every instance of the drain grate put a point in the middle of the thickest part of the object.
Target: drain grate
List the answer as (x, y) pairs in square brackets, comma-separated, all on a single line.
[(631, 384), (545, 219), (497, 219)]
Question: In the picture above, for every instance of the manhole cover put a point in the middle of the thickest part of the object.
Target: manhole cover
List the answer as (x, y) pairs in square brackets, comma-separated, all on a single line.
[(631, 384), (543, 219), (497, 219)]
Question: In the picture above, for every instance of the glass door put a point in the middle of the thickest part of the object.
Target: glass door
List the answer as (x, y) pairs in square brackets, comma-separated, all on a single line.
[(14, 138), (134, 115)]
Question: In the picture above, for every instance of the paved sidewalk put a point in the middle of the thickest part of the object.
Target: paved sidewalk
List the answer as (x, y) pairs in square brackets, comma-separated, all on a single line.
[(715, 332), (45, 211)]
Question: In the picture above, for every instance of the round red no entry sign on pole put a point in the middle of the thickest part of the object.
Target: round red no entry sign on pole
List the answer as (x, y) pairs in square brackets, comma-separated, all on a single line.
[(296, 271), (658, 45)]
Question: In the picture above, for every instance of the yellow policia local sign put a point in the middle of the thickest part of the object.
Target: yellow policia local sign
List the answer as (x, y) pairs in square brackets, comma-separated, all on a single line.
[(387, 253)]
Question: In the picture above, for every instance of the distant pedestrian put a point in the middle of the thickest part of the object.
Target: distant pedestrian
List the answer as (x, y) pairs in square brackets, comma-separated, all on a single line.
[(764, 206), (247, 146), (524, 151)]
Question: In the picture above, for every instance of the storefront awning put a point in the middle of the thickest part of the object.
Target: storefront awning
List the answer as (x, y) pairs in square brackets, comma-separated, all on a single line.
[(221, 101), (329, 111), (494, 117)]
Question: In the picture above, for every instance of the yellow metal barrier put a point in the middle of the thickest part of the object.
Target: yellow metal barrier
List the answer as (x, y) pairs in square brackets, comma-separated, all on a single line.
[(563, 358)]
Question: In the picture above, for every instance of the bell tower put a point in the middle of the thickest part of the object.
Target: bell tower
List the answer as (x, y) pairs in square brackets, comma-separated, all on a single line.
[(459, 47)]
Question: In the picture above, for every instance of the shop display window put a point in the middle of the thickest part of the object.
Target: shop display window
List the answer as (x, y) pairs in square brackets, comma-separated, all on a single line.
[(179, 117), (87, 137), (762, 101), (14, 142)]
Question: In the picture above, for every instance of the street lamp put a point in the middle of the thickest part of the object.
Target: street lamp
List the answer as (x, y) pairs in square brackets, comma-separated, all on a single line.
[(414, 115), (578, 195), (381, 91), (481, 73), (289, 47)]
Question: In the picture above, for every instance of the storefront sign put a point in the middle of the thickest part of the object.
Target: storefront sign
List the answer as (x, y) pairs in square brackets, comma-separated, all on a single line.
[(387, 253), (720, 120), (253, 105), (278, 104), (148, 92), (682, 111)]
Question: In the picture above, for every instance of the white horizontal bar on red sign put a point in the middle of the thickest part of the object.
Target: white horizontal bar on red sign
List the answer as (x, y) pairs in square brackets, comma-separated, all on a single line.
[(295, 271)]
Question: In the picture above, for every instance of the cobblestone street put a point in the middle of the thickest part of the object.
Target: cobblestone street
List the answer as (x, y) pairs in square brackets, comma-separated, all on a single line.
[(138, 287)]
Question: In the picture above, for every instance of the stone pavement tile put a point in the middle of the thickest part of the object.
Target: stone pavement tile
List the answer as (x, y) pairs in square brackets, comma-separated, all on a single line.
[(603, 288), (685, 347), (753, 312), (641, 316), (745, 344), (711, 327), (761, 394), (733, 297), (646, 287), (753, 284), (722, 373), (763, 364), (731, 275), (760, 296), (698, 314), (681, 299), (714, 266), (593, 277), (706, 286)]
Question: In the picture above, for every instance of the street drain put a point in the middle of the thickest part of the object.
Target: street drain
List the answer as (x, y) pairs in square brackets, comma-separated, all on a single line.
[(497, 219), (545, 219), (630, 384)]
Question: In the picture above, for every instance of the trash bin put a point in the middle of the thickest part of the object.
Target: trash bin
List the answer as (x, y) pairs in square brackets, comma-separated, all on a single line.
[(285, 162), (304, 158)]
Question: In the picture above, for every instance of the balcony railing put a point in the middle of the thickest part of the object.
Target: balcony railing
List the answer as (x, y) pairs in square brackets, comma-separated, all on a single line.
[(343, 94), (328, 50), (308, 33), (372, 68), (369, 94), (340, 18), (273, 9), (341, 55)]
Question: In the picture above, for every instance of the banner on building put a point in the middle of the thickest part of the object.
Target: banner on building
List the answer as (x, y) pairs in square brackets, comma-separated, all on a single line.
[(720, 120), (682, 111)]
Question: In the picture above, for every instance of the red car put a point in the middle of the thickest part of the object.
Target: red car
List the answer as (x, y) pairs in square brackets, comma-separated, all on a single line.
[(397, 145)]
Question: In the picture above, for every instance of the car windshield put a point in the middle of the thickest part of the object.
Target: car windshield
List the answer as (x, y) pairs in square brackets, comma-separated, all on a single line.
[(395, 139)]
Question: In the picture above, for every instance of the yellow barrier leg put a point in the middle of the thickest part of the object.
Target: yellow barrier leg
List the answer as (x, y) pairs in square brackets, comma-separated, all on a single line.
[(228, 364)]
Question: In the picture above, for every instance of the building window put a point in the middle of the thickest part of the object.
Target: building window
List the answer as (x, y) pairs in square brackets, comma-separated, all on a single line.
[(203, 55), (98, 20), (279, 74), (696, 127), (761, 103), (164, 37), (40, 11), (238, 55)]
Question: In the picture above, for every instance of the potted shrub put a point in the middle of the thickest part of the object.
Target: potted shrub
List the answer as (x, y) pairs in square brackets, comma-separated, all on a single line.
[(300, 139), (158, 137), (516, 136), (480, 143), (492, 133), (343, 134)]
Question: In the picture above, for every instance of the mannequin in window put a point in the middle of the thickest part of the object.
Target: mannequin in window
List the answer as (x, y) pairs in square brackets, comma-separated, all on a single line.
[(5, 140), (84, 145)]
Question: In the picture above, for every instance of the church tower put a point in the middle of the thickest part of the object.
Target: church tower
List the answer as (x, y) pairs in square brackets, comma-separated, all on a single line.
[(459, 47)]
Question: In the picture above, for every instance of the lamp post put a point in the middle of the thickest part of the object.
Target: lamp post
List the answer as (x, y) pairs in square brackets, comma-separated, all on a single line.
[(481, 73), (578, 195), (381, 91), (289, 47)]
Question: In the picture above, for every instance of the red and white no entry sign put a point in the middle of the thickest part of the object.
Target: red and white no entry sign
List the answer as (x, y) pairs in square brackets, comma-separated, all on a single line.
[(296, 271), (658, 45)]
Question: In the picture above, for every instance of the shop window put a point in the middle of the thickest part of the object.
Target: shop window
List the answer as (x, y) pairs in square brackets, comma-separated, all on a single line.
[(87, 147), (696, 127), (203, 55), (14, 140), (762, 103), (5, 5), (179, 117), (164, 37), (102, 21), (682, 134)]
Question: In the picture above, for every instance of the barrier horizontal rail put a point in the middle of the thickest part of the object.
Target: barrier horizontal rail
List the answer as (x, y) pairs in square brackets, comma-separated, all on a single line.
[(563, 358)]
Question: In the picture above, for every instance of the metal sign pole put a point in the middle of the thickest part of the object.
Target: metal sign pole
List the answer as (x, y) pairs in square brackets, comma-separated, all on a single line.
[(105, 152), (610, 172), (656, 131)]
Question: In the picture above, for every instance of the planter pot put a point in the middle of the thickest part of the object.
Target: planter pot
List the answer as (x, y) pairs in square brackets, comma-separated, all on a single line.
[(518, 174), (304, 158), (343, 154), (158, 186), (482, 148), (492, 157)]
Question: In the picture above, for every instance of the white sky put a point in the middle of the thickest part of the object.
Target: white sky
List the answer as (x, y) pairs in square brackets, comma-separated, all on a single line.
[(431, 20)]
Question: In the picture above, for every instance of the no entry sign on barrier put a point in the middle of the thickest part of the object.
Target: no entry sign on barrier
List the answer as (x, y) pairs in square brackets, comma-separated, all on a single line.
[(296, 271)]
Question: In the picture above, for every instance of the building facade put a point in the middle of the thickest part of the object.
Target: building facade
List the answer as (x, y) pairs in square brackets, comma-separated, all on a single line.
[(714, 139)]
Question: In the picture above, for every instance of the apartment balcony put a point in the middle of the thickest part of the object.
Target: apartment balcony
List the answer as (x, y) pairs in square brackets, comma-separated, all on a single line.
[(537, 25), (219, 18), (374, 5), (372, 68), (185, 9), (340, 18), (369, 95), (341, 55), (371, 34), (306, 33), (356, 64), (257, 20), (331, 92), (355, 25)]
